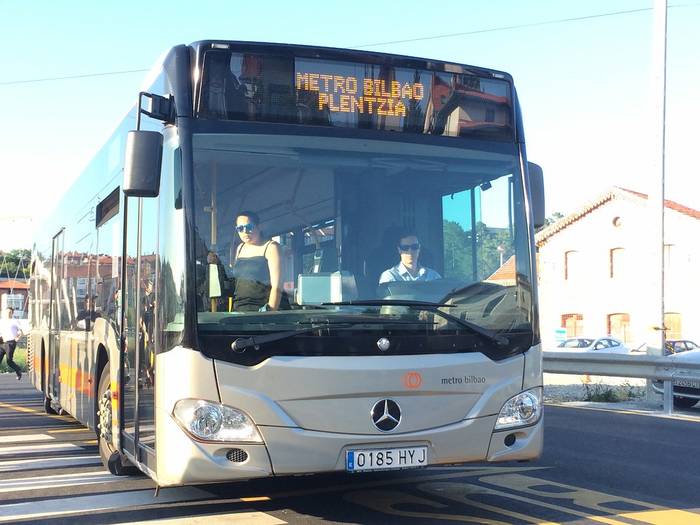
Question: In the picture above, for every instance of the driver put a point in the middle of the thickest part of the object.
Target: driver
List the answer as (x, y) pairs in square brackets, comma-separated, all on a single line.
[(409, 268)]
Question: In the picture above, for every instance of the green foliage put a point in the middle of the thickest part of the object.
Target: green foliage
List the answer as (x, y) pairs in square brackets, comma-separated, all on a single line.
[(607, 394), (20, 357), (554, 217), (459, 250), (15, 263)]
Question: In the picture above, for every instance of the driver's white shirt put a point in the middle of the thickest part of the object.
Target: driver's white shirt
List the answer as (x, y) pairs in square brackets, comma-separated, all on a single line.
[(401, 273)]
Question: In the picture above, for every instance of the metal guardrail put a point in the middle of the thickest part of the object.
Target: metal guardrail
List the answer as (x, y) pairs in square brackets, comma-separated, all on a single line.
[(662, 368)]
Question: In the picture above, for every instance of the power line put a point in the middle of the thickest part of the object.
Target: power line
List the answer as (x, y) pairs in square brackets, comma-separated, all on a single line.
[(520, 26), (418, 39), (71, 77)]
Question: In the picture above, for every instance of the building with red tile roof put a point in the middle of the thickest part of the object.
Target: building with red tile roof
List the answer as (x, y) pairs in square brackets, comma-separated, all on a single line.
[(594, 271)]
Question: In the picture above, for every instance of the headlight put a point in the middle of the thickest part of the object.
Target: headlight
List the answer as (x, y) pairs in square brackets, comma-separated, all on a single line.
[(209, 421), (521, 410)]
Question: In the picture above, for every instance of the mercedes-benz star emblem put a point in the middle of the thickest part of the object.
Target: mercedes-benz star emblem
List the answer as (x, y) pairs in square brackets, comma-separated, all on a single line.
[(386, 415), (383, 344)]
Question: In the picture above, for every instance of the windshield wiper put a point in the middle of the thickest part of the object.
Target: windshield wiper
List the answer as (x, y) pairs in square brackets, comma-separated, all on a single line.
[(433, 307), (241, 344)]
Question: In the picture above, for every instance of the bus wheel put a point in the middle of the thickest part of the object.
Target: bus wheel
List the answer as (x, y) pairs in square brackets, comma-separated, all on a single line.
[(111, 457)]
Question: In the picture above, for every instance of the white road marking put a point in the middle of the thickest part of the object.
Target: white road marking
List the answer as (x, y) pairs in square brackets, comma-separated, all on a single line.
[(247, 518), (26, 437), (28, 449), (98, 502), (57, 481), (17, 465)]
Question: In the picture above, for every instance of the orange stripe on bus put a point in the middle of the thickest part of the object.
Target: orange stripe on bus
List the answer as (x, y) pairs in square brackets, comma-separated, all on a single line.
[(75, 379)]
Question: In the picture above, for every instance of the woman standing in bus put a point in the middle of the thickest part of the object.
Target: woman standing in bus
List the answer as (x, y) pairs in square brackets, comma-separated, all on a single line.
[(256, 269)]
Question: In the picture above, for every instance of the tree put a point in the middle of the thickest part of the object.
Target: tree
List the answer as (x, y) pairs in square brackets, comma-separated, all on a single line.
[(491, 245), (554, 217), (15, 264), (457, 251)]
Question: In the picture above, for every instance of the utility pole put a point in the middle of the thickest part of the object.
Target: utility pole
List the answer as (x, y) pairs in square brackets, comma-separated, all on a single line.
[(657, 190)]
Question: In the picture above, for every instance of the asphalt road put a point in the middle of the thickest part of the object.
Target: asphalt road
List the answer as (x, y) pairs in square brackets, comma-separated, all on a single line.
[(598, 466)]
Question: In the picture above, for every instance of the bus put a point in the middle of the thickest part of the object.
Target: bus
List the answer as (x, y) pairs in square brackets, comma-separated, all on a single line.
[(386, 205)]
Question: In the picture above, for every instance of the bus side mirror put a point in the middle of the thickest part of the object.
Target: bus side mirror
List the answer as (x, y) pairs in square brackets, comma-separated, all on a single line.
[(536, 194), (144, 153)]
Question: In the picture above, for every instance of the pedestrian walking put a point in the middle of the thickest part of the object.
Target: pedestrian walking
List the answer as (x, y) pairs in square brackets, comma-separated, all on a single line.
[(10, 332)]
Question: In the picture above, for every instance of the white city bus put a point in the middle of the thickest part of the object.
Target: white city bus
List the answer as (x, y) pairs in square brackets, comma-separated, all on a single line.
[(388, 210)]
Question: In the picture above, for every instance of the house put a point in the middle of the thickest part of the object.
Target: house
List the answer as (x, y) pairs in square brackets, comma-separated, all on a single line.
[(14, 293), (593, 271)]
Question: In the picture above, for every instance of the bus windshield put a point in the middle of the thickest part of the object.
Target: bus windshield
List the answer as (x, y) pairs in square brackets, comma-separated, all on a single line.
[(360, 237)]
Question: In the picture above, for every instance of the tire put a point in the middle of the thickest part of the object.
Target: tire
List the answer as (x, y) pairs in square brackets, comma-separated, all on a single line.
[(684, 402), (111, 458)]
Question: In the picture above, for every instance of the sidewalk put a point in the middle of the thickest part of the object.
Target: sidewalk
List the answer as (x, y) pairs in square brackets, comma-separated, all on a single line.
[(625, 395)]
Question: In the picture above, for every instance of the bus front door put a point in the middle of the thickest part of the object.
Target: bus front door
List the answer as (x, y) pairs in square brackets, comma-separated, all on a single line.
[(138, 303)]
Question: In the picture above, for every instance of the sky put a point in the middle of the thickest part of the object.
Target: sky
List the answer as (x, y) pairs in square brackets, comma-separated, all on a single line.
[(583, 71)]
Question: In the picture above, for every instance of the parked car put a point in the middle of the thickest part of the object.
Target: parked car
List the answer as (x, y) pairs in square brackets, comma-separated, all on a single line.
[(686, 391), (607, 344), (676, 346)]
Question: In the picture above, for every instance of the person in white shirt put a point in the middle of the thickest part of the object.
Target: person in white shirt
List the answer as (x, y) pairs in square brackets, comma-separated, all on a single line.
[(10, 332), (408, 268)]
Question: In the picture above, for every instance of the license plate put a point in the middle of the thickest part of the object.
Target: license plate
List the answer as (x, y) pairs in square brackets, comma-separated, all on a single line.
[(386, 459), (686, 383)]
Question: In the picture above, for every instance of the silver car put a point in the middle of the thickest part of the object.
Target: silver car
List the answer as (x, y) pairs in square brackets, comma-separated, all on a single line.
[(606, 344), (686, 391)]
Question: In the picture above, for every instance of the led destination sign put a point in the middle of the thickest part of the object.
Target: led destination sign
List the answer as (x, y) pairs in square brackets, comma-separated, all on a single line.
[(348, 94), (259, 87)]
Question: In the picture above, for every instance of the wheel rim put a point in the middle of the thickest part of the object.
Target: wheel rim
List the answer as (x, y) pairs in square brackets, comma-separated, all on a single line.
[(104, 415)]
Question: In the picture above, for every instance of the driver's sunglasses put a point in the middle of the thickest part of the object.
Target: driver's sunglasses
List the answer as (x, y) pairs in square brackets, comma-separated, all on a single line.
[(406, 247), (248, 228)]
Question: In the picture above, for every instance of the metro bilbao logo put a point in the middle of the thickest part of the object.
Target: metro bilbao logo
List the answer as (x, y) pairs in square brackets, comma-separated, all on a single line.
[(462, 380)]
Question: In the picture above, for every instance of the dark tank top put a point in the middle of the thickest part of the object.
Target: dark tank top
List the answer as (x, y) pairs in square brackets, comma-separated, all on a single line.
[(252, 282)]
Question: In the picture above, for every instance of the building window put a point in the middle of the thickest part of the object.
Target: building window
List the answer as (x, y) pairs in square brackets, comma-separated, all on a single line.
[(619, 326), (13, 300), (672, 322), (617, 262), (573, 324), (570, 264)]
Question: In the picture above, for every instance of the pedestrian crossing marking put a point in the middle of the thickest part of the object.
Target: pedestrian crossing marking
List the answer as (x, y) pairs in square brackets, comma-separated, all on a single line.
[(19, 465), (28, 449), (17, 408), (33, 411), (56, 481), (26, 437), (53, 507)]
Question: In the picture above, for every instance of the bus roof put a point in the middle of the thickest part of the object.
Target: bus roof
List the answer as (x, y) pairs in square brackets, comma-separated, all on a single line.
[(353, 55)]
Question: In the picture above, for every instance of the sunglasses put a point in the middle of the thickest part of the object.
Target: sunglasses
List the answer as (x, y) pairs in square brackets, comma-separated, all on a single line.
[(406, 247), (248, 228)]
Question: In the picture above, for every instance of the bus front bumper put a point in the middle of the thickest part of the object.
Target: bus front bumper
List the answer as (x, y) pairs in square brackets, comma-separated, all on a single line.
[(290, 450)]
